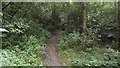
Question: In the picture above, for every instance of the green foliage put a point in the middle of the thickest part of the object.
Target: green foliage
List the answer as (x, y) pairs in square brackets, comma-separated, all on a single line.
[(76, 39), (27, 55), (45, 33), (112, 45), (33, 44), (1, 35), (28, 23), (16, 26), (103, 57), (36, 29), (25, 45), (91, 56), (19, 29), (68, 40), (19, 58)]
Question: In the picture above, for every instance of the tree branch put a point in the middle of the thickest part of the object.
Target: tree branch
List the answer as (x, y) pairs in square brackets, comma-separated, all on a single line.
[(6, 6)]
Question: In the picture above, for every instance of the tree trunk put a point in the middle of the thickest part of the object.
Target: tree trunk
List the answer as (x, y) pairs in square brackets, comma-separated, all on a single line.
[(84, 24), (84, 21), (119, 26)]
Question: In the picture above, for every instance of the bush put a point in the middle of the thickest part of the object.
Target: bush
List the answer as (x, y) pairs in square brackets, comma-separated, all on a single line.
[(23, 46), (17, 29), (21, 58), (18, 25), (107, 57), (68, 40), (77, 39), (27, 55)]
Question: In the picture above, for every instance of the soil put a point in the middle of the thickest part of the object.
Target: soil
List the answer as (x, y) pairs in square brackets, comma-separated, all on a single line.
[(50, 57)]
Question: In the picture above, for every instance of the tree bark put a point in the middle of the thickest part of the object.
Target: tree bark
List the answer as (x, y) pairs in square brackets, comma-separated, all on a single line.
[(84, 24), (84, 21), (119, 26)]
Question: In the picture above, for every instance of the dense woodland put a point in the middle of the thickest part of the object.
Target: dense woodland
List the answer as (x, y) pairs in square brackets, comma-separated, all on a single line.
[(85, 33)]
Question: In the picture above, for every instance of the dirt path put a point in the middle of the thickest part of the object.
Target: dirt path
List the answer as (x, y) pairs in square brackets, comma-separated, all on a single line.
[(50, 57)]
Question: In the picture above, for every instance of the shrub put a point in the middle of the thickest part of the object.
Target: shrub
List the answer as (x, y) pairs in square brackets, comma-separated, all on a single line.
[(27, 55), (18, 25), (107, 57), (68, 40), (21, 58)]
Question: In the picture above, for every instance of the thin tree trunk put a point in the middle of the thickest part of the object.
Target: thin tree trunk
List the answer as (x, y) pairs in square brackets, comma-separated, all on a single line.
[(84, 25), (119, 26), (84, 21)]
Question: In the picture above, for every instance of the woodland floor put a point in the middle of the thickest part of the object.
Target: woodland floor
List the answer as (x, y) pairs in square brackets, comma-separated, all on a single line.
[(50, 57)]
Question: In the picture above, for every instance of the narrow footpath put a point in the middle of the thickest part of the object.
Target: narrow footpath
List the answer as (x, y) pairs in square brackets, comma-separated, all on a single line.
[(50, 57)]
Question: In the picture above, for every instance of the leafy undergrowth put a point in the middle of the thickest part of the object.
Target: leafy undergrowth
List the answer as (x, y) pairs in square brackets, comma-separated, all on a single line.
[(22, 58), (71, 55), (103, 57), (27, 53)]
